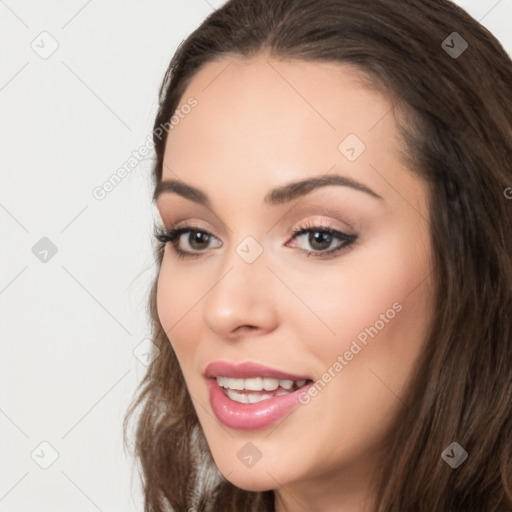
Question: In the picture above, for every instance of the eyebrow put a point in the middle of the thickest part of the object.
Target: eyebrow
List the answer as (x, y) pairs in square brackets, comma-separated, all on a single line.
[(277, 196)]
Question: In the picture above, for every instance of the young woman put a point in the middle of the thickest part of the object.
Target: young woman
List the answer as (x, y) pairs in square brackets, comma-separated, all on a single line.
[(333, 306)]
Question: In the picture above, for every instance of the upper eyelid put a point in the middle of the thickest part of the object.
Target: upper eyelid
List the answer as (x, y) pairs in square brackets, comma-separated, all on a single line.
[(315, 208), (316, 223), (307, 225)]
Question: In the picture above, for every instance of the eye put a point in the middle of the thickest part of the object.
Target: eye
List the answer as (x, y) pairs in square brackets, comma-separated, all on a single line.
[(321, 237), (199, 239)]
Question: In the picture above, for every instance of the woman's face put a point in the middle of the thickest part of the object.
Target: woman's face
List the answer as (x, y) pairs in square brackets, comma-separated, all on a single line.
[(353, 321)]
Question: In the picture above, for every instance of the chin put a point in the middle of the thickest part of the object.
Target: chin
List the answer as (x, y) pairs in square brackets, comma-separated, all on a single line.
[(248, 481)]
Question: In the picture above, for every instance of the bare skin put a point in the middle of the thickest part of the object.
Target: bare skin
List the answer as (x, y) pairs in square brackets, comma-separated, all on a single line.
[(260, 124)]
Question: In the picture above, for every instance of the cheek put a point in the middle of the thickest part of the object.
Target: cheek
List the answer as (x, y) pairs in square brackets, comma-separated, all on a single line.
[(380, 313), (375, 307), (175, 299), (166, 297)]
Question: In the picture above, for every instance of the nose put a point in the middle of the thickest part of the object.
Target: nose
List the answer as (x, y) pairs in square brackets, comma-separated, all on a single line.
[(242, 299)]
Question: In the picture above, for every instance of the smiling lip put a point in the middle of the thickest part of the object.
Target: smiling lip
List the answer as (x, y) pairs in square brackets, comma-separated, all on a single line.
[(247, 370), (253, 415)]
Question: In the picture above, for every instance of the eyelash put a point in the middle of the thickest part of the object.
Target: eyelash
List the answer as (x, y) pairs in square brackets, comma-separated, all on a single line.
[(164, 235)]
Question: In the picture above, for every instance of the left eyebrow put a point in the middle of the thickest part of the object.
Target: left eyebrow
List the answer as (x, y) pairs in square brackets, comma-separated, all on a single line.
[(277, 196)]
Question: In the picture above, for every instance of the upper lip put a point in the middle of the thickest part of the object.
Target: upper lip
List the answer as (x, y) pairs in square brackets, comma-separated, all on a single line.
[(247, 370)]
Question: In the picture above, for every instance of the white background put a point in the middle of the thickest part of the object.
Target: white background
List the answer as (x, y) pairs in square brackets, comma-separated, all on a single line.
[(69, 325)]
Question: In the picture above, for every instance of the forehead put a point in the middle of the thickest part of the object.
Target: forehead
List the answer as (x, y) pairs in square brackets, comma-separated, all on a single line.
[(279, 93), (262, 120)]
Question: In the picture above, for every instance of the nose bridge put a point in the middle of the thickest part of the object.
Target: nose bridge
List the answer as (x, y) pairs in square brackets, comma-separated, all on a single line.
[(241, 294), (244, 270)]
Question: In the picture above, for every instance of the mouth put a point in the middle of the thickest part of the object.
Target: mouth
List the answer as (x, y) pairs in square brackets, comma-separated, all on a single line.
[(256, 389), (251, 396)]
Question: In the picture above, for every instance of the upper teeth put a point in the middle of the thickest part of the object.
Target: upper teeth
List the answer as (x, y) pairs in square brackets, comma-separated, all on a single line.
[(258, 383)]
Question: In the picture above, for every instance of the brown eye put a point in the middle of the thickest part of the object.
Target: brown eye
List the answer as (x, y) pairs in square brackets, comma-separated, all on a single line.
[(320, 239), (322, 242), (198, 240)]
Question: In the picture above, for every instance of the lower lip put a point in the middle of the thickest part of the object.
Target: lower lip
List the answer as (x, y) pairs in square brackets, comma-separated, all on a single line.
[(251, 416)]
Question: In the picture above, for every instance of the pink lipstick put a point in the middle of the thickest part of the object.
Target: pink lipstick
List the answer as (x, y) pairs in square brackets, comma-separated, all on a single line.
[(250, 396)]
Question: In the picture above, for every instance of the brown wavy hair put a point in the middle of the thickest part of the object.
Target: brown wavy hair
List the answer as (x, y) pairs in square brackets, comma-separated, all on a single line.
[(457, 126)]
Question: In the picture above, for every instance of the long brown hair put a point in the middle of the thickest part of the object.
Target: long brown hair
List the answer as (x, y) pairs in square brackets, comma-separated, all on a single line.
[(457, 126)]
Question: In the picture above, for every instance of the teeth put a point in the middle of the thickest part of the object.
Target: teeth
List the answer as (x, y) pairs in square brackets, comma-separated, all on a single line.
[(270, 384), (258, 383), (253, 384), (246, 399), (286, 384)]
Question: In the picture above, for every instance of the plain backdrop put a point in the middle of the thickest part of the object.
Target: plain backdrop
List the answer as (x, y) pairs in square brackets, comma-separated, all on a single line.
[(78, 94)]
